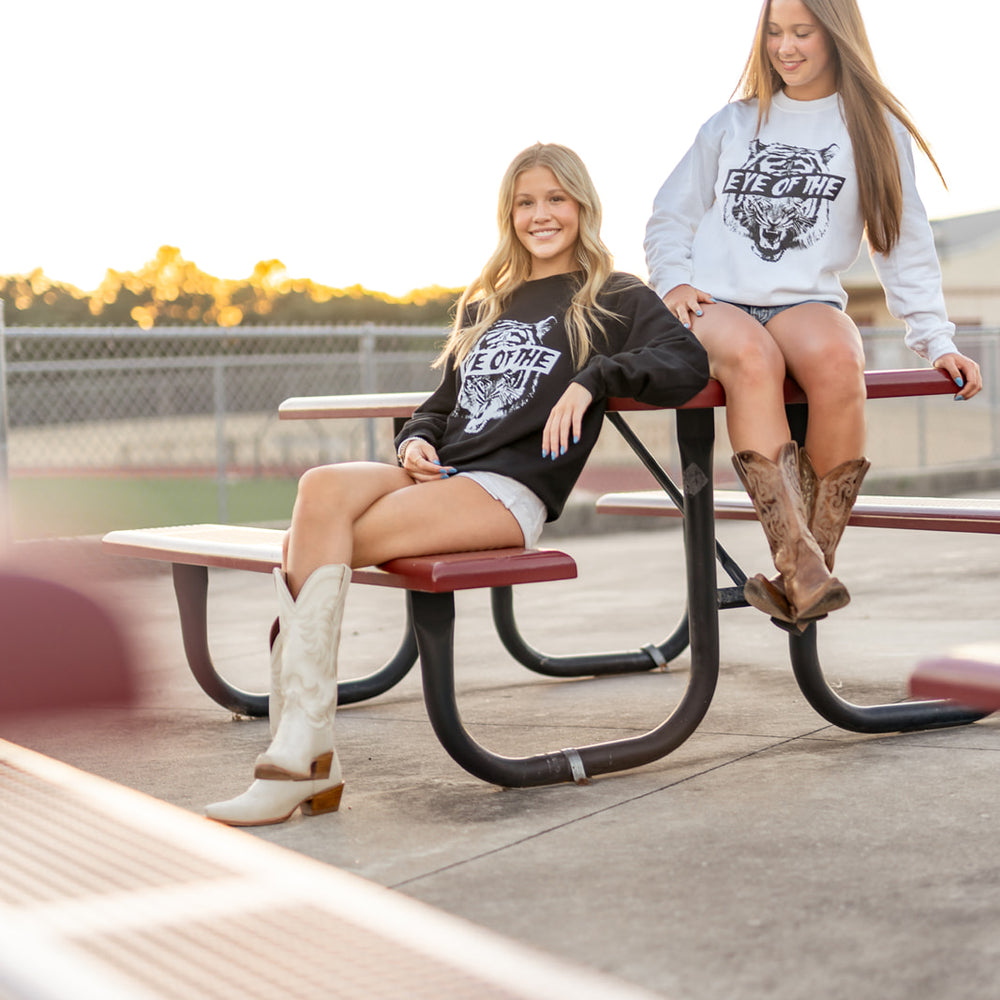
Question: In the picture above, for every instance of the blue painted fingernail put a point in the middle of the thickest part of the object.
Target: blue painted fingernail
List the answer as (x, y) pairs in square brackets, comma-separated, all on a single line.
[(545, 453), (562, 450), (576, 439), (958, 381), (687, 326), (554, 456), (444, 475), (435, 461), (699, 313), (960, 399)]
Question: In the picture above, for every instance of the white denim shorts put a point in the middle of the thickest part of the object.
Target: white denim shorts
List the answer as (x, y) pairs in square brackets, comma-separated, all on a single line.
[(527, 509)]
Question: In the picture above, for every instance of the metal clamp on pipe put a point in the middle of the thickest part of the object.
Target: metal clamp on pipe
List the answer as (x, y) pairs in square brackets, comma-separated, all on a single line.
[(578, 771)]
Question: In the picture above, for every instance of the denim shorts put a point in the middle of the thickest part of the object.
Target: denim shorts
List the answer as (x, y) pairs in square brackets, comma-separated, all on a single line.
[(764, 314), (527, 509)]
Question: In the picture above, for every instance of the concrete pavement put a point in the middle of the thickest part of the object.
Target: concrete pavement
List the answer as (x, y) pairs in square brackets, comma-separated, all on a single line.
[(770, 856)]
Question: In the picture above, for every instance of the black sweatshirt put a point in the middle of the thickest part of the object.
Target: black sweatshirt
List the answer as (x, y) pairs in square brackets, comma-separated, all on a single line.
[(488, 415)]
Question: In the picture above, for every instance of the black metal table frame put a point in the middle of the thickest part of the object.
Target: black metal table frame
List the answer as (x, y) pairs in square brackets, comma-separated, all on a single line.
[(429, 631)]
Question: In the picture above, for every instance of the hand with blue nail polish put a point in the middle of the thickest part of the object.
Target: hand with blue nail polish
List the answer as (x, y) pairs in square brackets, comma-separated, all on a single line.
[(420, 460), (963, 371), (565, 422), (684, 301)]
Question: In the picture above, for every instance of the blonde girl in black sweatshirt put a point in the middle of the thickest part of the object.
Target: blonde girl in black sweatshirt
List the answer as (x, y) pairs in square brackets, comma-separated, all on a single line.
[(544, 335)]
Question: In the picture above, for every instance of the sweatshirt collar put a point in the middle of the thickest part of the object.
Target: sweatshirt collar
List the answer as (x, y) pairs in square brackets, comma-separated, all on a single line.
[(783, 102)]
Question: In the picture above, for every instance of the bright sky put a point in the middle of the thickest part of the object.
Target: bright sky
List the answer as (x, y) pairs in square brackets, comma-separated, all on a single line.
[(363, 141)]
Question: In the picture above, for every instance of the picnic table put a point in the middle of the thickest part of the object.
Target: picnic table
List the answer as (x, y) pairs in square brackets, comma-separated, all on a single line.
[(430, 583), (695, 497)]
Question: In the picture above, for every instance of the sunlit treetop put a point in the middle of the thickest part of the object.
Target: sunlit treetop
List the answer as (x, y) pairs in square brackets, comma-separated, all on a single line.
[(169, 291)]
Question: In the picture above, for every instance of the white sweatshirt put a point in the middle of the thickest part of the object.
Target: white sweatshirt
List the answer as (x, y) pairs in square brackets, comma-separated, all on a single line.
[(772, 218)]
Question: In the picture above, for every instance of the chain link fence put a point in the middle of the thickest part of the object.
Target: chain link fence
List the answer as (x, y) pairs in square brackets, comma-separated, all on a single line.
[(199, 401), (83, 402)]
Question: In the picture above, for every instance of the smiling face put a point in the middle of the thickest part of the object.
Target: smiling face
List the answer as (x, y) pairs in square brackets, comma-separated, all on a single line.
[(801, 51), (546, 221)]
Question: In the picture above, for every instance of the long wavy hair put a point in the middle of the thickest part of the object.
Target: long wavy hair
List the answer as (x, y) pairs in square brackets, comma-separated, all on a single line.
[(510, 265), (867, 104)]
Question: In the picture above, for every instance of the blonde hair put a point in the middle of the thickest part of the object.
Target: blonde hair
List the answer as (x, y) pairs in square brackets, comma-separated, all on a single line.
[(510, 265), (863, 96)]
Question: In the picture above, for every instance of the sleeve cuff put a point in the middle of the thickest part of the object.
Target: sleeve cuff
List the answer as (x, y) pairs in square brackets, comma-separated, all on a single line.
[(403, 445)]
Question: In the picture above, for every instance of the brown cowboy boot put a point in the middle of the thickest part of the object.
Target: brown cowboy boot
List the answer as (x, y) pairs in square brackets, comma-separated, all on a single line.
[(769, 596), (777, 497), (832, 500), (839, 490)]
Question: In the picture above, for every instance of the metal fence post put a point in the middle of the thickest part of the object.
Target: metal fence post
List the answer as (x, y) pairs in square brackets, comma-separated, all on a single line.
[(219, 392), (6, 513), (369, 382), (993, 381), (921, 432)]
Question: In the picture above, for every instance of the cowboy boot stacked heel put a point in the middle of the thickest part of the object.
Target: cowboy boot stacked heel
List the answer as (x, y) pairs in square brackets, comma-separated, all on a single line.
[(266, 802)]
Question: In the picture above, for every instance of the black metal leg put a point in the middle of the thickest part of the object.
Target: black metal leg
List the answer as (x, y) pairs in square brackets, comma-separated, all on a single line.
[(650, 656), (696, 441), (191, 588), (893, 718), (583, 664), (433, 623), (433, 620)]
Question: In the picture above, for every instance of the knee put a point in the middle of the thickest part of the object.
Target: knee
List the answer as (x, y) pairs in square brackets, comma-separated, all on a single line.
[(317, 490), (838, 377), (749, 361)]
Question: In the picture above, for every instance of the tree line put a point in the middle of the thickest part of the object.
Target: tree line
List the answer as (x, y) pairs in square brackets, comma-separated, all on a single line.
[(172, 291)]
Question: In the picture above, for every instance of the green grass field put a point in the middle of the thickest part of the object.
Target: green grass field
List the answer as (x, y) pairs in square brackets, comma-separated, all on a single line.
[(57, 506)]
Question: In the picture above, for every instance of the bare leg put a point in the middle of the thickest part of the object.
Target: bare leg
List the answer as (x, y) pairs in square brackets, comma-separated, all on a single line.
[(821, 349), (364, 513), (345, 516), (330, 498), (824, 353), (749, 364)]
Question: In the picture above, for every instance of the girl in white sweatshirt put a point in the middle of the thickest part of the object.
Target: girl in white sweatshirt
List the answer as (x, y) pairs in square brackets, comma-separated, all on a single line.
[(746, 243)]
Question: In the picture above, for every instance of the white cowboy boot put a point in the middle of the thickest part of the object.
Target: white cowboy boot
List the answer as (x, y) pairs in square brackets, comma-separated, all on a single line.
[(274, 698), (303, 745), (267, 802)]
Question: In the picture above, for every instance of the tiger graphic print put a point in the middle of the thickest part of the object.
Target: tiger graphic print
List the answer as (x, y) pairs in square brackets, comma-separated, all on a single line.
[(780, 197), (500, 374)]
